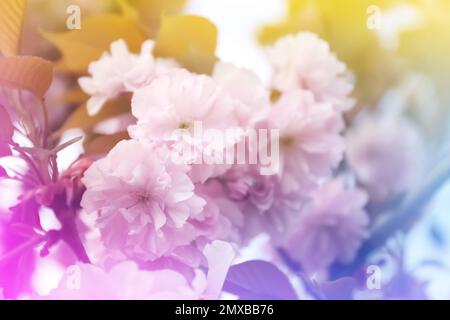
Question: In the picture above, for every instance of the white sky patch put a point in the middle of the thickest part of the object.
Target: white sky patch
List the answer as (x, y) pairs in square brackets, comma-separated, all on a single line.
[(238, 22)]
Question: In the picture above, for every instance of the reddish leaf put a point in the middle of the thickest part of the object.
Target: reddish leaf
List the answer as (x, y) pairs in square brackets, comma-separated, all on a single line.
[(27, 73)]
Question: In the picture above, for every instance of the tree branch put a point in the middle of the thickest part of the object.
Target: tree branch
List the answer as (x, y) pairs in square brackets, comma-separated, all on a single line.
[(401, 220)]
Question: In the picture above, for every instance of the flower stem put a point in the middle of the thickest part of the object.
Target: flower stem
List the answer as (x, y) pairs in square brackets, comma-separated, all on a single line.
[(33, 242)]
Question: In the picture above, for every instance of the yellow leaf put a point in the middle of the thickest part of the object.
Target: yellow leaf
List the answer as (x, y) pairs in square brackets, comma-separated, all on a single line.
[(103, 144), (74, 96), (80, 118), (12, 13), (28, 73), (151, 11), (81, 47), (192, 40), (127, 10)]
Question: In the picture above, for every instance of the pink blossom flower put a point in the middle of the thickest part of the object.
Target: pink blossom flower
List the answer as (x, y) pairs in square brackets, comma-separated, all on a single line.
[(118, 72), (310, 142), (387, 155), (305, 61), (332, 226), (178, 101), (146, 204), (125, 281), (244, 85), (277, 220), (224, 213)]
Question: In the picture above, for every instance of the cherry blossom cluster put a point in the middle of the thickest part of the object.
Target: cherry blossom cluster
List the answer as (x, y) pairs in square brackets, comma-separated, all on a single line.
[(152, 211), (216, 168)]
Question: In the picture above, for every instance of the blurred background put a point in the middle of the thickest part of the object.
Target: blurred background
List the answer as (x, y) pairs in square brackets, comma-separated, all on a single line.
[(399, 54)]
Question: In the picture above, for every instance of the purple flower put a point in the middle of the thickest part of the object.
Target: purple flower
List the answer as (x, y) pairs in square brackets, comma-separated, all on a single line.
[(331, 228)]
